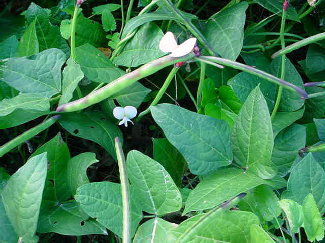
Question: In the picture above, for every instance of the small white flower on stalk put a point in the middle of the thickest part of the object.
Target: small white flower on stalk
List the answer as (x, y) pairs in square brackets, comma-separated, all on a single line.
[(169, 44), (125, 114)]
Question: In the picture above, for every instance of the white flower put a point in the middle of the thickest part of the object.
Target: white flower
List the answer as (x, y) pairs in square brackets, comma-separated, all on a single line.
[(125, 114), (169, 44)]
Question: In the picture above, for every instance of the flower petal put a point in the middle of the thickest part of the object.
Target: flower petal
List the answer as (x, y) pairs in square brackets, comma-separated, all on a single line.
[(130, 111), (168, 42), (185, 48), (118, 112)]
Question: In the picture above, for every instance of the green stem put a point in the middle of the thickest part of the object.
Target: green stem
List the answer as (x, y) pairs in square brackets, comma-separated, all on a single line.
[(122, 16), (27, 135), (201, 82), (283, 64), (249, 69), (161, 91), (73, 32), (121, 83), (128, 13), (315, 95), (189, 93), (316, 148), (125, 192)]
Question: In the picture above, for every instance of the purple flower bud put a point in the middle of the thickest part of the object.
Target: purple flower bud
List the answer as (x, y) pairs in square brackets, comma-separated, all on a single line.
[(79, 2), (196, 51), (285, 5)]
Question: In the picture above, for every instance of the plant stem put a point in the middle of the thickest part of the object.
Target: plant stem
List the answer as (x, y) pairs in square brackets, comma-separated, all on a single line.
[(201, 82), (125, 192), (27, 135), (189, 93), (121, 83), (315, 95), (128, 13), (73, 32), (161, 91), (122, 16), (283, 64)]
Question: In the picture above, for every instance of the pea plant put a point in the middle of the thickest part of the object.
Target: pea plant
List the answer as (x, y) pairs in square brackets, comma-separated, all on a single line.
[(162, 121)]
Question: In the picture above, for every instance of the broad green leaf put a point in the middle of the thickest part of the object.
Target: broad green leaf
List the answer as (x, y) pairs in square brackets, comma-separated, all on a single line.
[(155, 230), (258, 235), (34, 11), (8, 47), (160, 14), (275, 6), (11, 24), (142, 48), (217, 112), (314, 63), (72, 74), (25, 102), (320, 125), (224, 30), (155, 188), (39, 74), (208, 94), (22, 197), (224, 226), (219, 187), (263, 202), (133, 95), (168, 156), (110, 7), (282, 120), (28, 44), (286, 146), (95, 65), (313, 223), (65, 28), (103, 201), (203, 141), (244, 83), (58, 156), (92, 126), (314, 108), (306, 177), (68, 219), (77, 170), (4, 177), (108, 20), (229, 99), (293, 212), (290, 101), (6, 91), (7, 232), (252, 136)]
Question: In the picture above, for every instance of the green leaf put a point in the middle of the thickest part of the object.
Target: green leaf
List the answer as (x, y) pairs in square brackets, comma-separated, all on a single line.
[(219, 187), (72, 74), (229, 99), (258, 235), (155, 188), (7, 232), (293, 212), (217, 112), (225, 30), (160, 14), (142, 48), (68, 219), (290, 101), (110, 7), (77, 170), (232, 226), (275, 6), (39, 74), (22, 196), (8, 47), (108, 20), (58, 156), (307, 177), (65, 28), (25, 102), (313, 223), (286, 146), (243, 83), (320, 125), (168, 156), (94, 127), (263, 202), (95, 65), (103, 201), (28, 44), (282, 120), (133, 95), (314, 63), (155, 230), (204, 149), (252, 136)]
